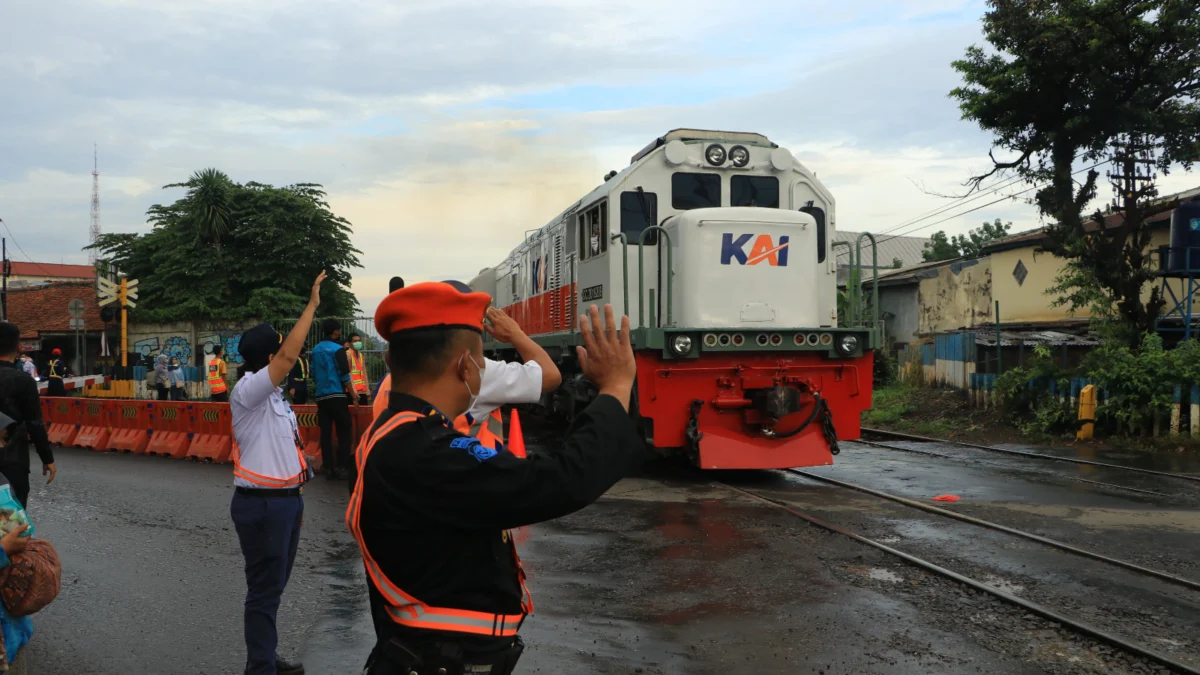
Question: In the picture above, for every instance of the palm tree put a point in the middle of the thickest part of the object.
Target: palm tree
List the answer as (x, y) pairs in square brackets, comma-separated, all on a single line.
[(208, 204)]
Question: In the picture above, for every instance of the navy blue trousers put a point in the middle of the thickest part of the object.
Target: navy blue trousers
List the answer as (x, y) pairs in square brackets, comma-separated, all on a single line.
[(268, 529)]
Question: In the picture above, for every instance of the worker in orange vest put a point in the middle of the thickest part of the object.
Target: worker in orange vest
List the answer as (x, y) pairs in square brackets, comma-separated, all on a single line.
[(432, 508), (358, 369), (216, 368), (503, 383)]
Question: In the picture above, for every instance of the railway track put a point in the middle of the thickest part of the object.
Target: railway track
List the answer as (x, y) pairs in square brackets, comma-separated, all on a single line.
[(1022, 453), (1039, 609)]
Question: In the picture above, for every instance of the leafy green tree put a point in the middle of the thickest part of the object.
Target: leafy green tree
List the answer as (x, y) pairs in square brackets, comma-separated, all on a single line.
[(970, 245), (229, 252), (1090, 81), (939, 247)]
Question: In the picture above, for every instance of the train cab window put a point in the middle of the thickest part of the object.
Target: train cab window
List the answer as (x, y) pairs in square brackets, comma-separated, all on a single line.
[(754, 191), (695, 190), (818, 214), (593, 231), (635, 219)]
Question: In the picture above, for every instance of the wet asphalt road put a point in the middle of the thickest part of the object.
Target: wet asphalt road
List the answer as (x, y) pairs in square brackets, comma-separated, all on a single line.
[(670, 573)]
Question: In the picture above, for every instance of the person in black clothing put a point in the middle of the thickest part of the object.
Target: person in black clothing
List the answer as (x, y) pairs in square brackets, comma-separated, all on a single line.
[(297, 384), (19, 400), (56, 370), (432, 507)]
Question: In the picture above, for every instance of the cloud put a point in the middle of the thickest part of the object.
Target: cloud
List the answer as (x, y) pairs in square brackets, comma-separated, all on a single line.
[(444, 131)]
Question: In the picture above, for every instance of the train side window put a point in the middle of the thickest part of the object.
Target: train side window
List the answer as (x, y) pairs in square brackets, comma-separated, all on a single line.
[(760, 191), (695, 190), (818, 214), (633, 217), (593, 231)]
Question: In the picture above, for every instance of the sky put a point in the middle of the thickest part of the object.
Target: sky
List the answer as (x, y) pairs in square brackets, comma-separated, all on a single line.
[(445, 130)]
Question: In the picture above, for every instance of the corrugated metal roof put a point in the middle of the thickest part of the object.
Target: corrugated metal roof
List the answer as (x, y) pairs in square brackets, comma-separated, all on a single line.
[(908, 249), (1054, 338)]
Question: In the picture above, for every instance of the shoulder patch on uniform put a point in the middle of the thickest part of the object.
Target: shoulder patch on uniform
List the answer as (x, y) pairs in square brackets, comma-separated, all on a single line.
[(472, 445)]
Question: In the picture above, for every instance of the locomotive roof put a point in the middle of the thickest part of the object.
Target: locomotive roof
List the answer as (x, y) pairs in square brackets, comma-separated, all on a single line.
[(703, 135)]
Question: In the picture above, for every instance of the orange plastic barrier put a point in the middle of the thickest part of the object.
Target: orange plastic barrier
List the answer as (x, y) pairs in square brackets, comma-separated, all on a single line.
[(213, 433), (62, 434), (131, 426), (95, 426), (310, 434), (171, 422), (516, 439)]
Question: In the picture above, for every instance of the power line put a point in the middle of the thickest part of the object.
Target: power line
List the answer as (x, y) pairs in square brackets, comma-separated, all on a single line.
[(1011, 196)]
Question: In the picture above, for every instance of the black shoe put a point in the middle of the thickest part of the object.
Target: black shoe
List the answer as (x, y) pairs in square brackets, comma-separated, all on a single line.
[(288, 668), (331, 474)]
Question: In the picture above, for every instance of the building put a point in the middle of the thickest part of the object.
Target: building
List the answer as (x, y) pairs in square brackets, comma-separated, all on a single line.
[(32, 273), (40, 311), (1006, 288), (907, 250)]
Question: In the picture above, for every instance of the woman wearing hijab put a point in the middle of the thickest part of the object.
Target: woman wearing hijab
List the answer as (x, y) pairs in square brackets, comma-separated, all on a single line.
[(176, 380), (162, 377)]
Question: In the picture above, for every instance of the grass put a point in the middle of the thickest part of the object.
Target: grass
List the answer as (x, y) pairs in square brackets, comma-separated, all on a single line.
[(891, 404)]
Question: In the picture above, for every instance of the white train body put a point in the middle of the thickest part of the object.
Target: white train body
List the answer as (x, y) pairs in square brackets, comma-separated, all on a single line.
[(748, 278)]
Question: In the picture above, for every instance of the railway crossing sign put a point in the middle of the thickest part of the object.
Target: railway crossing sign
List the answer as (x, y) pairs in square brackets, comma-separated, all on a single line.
[(123, 294), (75, 309)]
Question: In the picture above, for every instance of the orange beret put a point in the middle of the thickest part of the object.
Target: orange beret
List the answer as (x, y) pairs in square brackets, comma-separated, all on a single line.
[(430, 305)]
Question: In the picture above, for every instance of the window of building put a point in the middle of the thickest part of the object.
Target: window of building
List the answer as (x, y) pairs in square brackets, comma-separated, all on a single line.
[(635, 219), (760, 191), (593, 231), (695, 190)]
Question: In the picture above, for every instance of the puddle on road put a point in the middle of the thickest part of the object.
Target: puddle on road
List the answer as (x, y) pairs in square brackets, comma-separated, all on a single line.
[(1002, 584), (880, 574)]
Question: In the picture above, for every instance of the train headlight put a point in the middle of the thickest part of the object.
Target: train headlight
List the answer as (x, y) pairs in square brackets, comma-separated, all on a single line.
[(739, 155), (847, 345), (682, 345), (715, 154)]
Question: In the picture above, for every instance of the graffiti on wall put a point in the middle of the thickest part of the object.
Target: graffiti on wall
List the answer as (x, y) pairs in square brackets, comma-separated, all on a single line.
[(174, 346), (227, 339)]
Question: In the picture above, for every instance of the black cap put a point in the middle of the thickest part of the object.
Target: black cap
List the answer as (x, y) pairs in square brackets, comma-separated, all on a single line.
[(260, 342), (395, 284)]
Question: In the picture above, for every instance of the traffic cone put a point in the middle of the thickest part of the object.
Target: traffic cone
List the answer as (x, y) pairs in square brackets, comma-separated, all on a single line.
[(516, 440)]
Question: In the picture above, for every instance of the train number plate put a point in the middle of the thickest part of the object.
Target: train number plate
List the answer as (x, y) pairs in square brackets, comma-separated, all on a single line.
[(593, 293)]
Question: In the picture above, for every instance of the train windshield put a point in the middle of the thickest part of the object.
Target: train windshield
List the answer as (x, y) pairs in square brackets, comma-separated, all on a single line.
[(754, 191), (695, 191)]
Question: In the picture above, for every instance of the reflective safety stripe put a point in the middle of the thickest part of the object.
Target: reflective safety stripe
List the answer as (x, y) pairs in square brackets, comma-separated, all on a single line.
[(270, 481), (403, 608), (490, 432), (303, 369), (54, 366), (216, 383), (358, 373)]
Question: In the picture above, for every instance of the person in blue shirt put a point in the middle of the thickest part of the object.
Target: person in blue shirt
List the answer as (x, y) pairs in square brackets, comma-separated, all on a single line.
[(331, 374), (17, 631)]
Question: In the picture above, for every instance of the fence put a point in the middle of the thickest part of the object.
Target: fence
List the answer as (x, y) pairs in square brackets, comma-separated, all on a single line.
[(374, 348), (178, 429)]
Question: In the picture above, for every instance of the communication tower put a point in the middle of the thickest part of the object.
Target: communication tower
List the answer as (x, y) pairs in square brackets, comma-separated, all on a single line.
[(94, 229)]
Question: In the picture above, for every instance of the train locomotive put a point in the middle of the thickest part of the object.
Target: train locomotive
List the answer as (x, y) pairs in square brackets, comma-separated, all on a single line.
[(719, 247)]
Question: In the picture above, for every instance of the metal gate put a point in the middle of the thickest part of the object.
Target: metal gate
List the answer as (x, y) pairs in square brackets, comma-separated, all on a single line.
[(374, 347)]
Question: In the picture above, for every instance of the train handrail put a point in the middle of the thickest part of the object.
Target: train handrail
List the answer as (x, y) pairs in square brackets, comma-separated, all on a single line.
[(874, 275), (849, 286), (642, 272), (624, 267)]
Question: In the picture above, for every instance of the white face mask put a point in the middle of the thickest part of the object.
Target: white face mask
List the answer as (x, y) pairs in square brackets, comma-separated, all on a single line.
[(474, 396)]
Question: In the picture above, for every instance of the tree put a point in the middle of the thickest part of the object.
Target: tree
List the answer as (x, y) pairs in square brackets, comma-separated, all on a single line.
[(232, 252), (939, 247), (969, 245), (1090, 81)]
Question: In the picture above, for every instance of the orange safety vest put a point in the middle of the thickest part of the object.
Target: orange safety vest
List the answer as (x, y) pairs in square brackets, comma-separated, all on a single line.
[(216, 383), (358, 373), (405, 609), (270, 482)]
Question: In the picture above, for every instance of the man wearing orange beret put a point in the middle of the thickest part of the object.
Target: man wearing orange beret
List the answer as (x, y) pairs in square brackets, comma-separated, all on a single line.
[(432, 507)]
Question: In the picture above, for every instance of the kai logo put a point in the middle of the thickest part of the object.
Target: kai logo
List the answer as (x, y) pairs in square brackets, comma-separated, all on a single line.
[(764, 249)]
